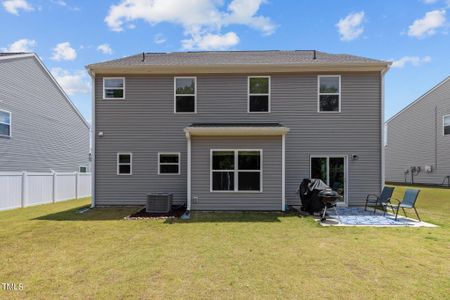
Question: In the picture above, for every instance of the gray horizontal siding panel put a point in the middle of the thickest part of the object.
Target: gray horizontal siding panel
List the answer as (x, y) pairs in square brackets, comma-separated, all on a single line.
[(47, 133), (415, 138), (144, 123), (268, 199)]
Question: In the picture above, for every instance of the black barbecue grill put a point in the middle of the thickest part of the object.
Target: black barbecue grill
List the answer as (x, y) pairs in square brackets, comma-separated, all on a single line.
[(317, 197)]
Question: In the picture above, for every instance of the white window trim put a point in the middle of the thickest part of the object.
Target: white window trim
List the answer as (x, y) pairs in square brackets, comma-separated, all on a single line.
[(249, 94), (319, 94), (175, 95), (166, 164), (10, 124), (82, 166), (327, 156), (130, 163), (104, 88), (236, 171), (443, 125)]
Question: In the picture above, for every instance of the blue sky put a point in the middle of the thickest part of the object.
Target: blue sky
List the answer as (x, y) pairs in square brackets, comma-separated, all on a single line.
[(69, 34)]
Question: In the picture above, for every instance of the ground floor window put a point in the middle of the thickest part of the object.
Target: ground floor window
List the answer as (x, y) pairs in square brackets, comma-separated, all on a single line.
[(331, 170), (168, 163), (236, 170), (124, 163)]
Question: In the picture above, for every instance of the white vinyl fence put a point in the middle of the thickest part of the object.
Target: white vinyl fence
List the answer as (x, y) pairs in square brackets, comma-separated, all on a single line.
[(21, 189)]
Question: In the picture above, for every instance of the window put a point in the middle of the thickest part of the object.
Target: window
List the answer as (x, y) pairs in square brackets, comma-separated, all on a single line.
[(329, 93), (259, 94), (446, 125), (168, 163), (5, 123), (124, 162), (331, 170), (236, 170), (114, 88), (82, 169), (185, 95)]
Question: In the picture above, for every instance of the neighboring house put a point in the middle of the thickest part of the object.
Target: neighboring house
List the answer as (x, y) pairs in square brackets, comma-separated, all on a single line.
[(40, 128), (418, 140), (236, 130)]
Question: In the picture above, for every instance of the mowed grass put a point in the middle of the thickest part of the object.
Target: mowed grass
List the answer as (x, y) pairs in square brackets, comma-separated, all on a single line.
[(58, 253)]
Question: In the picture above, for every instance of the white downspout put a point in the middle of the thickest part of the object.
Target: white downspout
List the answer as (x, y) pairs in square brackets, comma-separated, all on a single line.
[(93, 142), (383, 72), (283, 172), (188, 137)]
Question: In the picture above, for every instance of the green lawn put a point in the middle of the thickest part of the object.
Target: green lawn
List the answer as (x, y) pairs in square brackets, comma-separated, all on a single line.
[(57, 253)]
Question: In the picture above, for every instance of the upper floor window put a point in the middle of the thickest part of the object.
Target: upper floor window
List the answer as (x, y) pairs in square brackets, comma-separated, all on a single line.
[(185, 95), (5, 123), (124, 163), (114, 88), (329, 93), (447, 125), (259, 94)]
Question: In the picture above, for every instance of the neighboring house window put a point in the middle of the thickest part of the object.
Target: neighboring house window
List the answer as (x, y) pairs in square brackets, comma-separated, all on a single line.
[(124, 163), (185, 95), (114, 88), (259, 94), (82, 169), (5, 123), (236, 170), (447, 125), (168, 163), (329, 93)]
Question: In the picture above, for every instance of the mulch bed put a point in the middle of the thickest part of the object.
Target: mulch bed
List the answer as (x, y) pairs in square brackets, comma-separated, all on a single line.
[(142, 214)]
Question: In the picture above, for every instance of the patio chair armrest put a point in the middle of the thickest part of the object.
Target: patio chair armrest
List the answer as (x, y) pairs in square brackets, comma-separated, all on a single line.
[(373, 196)]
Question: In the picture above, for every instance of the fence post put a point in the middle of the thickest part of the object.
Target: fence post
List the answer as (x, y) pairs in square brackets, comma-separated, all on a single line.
[(24, 189), (76, 184), (54, 187)]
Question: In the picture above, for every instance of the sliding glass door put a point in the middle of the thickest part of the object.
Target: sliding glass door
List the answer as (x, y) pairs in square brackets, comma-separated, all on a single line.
[(331, 170)]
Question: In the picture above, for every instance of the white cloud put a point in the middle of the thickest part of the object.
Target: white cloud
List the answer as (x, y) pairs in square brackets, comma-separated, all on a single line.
[(428, 25), (350, 27), (159, 39), (429, 1), (105, 49), (22, 45), (211, 41), (413, 60), (14, 6), (63, 51), (72, 83), (65, 4), (200, 19)]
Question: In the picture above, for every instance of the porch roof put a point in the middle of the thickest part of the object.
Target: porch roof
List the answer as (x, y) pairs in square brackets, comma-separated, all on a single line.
[(235, 129)]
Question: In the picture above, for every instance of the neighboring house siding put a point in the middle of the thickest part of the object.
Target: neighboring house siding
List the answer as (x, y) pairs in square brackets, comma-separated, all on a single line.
[(415, 138), (268, 199), (144, 123), (47, 133)]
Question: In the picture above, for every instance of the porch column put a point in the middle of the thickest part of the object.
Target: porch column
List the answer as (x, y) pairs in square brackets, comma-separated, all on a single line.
[(188, 137), (283, 172)]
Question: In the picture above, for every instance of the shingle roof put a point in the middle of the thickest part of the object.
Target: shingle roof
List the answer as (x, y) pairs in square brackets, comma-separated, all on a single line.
[(12, 53), (245, 58)]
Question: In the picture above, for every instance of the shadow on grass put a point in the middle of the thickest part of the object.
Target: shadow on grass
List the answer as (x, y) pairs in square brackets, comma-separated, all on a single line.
[(95, 214), (225, 217)]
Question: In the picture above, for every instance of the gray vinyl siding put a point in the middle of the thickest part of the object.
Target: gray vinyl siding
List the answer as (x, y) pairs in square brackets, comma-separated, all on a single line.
[(268, 199), (144, 123), (47, 133), (415, 138)]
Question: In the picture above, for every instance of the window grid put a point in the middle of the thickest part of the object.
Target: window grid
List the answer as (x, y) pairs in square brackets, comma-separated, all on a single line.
[(168, 164), (319, 93)]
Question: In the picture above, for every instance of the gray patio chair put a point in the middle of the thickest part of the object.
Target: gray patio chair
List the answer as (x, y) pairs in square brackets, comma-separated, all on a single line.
[(377, 201), (409, 201)]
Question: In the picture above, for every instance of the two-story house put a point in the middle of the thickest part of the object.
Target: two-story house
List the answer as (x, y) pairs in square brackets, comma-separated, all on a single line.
[(41, 130), (236, 130)]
